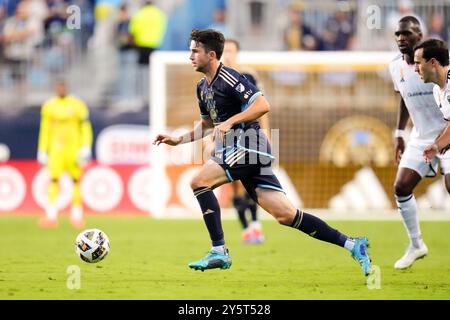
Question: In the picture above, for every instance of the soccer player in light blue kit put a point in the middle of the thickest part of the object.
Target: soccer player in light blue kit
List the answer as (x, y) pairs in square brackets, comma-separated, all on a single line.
[(230, 104)]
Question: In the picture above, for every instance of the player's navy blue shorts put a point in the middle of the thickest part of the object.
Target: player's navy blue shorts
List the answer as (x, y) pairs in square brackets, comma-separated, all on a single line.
[(249, 160)]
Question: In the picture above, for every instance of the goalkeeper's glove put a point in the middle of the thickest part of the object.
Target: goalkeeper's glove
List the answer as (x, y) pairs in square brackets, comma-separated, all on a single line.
[(42, 157), (84, 155)]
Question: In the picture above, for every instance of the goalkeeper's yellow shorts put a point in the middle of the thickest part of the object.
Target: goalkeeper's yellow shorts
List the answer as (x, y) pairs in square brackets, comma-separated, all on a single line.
[(64, 162)]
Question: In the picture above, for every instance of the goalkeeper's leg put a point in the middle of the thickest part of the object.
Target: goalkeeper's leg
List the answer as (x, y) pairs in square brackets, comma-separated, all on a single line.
[(76, 212), (51, 211), (55, 167)]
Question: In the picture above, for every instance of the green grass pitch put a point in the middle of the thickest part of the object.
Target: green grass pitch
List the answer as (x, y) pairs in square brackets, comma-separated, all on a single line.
[(148, 260)]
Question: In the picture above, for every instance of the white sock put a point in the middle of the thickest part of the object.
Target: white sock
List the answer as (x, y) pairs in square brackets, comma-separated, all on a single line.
[(255, 225), (407, 207), (349, 244), (76, 212), (51, 212), (220, 249)]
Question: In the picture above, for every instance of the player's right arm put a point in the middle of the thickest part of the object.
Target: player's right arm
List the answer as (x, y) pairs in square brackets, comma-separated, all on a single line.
[(402, 120), (200, 130), (403, 114)]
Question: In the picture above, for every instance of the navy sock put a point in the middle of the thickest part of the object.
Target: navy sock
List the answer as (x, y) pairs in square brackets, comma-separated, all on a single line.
[(240, 204), (252, 206), (317, 228), (211, 214)]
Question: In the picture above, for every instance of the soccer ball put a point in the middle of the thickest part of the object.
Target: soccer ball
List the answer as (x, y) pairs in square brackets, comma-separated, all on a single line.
[(92, 245)]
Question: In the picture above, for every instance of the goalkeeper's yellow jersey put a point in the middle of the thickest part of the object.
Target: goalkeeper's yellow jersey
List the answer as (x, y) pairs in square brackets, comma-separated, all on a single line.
[(65, 125)]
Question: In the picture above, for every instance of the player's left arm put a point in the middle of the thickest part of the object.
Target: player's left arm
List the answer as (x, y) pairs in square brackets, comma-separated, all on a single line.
[(442, 142), (264, 120), (440, 145), (257, 109), (265, 125), (254, 103)]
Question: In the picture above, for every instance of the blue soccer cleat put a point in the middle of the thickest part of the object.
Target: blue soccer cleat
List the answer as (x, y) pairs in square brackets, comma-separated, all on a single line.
[(361, 254), (212, 260)]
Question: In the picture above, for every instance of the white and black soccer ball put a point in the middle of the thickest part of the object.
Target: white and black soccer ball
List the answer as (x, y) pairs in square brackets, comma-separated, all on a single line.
[(92, 245)]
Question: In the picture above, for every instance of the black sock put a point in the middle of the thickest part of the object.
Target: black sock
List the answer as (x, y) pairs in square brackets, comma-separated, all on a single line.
[(252, 206), (240, 205), (211, 214), (317, 228)]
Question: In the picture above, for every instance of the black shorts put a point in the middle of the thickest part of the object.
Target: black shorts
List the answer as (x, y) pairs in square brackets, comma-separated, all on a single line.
[(144, 55), (252, 176)]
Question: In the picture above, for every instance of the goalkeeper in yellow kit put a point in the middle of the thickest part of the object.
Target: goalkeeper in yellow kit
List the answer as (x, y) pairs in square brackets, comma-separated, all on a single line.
[(65, 141)]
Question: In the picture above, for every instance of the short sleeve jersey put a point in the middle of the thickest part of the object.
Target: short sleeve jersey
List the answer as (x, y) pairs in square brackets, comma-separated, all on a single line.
[(442, 98), (229, 93), (418, 97)]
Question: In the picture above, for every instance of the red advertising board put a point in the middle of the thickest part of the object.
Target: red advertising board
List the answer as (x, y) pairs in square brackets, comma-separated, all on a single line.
[(106, 189)]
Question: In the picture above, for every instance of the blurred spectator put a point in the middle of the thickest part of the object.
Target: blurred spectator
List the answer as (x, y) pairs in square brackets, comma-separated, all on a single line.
[(58, 40), (219, 23), (37, 9), (2, 23), (256, 14), (438, 28), (86, 30), (9, 7), (339, 31), (298, 35), (124, 38), (147, 27), (104, 49), (127, 57), (21, 36)]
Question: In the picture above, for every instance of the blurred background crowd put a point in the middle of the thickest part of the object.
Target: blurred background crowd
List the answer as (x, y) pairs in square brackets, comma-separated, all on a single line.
[(102, 46)]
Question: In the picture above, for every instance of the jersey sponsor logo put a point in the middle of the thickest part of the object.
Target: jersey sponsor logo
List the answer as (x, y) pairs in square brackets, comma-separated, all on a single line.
[(419, 93), (240, 88), (248, 94)]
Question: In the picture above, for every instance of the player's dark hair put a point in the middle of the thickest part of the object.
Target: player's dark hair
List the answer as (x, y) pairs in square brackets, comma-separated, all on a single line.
[(411, 19), (210, 39), (236, 43), (434, 48)]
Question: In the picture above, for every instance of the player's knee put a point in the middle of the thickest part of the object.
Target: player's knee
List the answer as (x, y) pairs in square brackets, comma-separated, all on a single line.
[(282, 216), (198, 182), (402, 189)]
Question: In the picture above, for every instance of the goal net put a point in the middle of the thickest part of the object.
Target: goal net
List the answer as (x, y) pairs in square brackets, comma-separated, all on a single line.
[(334, 111)]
